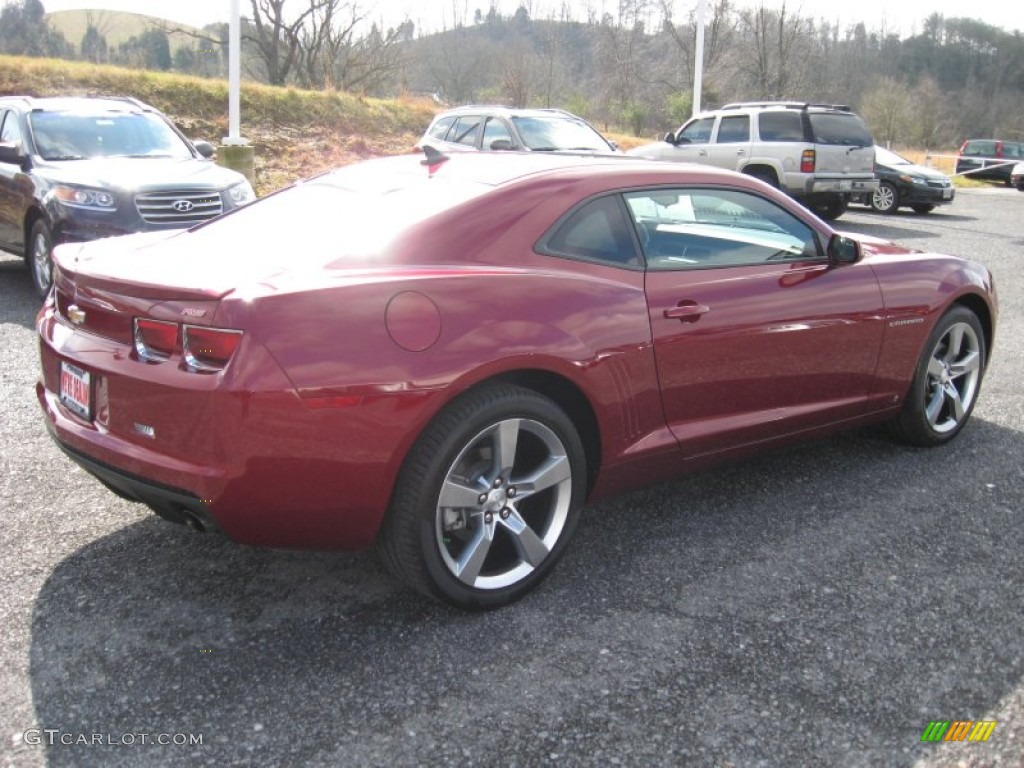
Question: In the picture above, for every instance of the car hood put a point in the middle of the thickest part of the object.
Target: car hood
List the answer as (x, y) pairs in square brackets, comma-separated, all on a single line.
[(136, 174), (647, 150), (916, 170)]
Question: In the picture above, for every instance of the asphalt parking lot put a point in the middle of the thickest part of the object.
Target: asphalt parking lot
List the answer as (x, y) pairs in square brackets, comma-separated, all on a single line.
[(817, 607)]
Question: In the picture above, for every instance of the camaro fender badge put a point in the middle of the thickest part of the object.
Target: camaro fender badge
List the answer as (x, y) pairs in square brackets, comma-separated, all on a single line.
[(192, 312), (76, 315), (910, 321)]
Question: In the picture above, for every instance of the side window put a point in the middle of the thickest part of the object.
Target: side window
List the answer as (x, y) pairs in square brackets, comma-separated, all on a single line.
[(495, 130), (694, 228), (780, 126), (696, 132), (440, 128), (9, 131), (596, 231), (733, 129), (465, 131)]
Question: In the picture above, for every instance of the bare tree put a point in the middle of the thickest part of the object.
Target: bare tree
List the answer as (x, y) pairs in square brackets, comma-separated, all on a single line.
[(277, 36), (773, 62)]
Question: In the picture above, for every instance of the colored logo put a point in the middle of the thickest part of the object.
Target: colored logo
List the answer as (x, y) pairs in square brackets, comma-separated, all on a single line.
[(958, 730)]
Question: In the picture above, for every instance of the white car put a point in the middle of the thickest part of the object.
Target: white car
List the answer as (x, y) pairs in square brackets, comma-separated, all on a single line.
[(1017, 176)]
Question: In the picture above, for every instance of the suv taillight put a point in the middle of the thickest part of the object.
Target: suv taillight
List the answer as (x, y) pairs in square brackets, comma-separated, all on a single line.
[(963, 147), (807, 161), (999, 149)]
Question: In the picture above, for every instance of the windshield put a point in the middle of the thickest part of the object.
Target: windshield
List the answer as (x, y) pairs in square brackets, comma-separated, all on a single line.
[(887, 157), (546, 134), (80, 136)]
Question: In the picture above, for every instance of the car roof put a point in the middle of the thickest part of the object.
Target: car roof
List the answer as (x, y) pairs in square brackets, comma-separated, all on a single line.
[(505, 168), (80, 103), (501, 109)]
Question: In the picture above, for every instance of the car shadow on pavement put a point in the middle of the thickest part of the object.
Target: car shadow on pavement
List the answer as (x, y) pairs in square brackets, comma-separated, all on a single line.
[(818, 606), (19, 303)]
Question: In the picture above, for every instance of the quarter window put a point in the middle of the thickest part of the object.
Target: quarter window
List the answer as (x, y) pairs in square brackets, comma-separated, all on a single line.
[(440, 128), (596, 231), (9, 131), (465, 131), (700, 228), (780, 126)]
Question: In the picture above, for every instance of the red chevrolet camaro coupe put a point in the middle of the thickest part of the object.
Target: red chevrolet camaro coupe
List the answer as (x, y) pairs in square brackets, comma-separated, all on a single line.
[(446, 357)]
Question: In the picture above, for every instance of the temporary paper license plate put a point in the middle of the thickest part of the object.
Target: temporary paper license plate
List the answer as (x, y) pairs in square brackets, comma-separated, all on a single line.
[(75, 389), (947, 194)]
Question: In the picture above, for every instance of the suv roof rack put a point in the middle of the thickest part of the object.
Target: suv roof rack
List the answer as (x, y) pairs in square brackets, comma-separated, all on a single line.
[(787, 104)]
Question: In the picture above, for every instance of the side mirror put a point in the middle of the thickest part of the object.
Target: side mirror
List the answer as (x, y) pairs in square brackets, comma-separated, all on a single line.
[(10, 153), (500, 144), (843, 250), (204, 148), (670, 138)]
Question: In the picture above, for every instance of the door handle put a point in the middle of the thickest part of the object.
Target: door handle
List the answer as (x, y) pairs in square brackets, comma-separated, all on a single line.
[(687, 311)]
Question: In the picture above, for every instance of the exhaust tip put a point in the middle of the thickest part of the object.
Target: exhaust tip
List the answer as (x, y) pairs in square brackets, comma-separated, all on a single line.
[(194, 522)]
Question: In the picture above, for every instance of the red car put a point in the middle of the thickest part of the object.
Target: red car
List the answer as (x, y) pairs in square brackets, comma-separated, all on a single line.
[(447, 357)]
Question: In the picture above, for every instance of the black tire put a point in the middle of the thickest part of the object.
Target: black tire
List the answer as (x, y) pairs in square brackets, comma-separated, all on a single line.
[(946, 382), (38, 255), (922, 209), (501, 539), (886, 199), (833, 209), (764, 174)]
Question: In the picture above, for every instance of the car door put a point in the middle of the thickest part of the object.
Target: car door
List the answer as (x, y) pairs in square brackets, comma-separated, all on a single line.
[(756, 334), (730, 146), (691, 142), (11, 205)]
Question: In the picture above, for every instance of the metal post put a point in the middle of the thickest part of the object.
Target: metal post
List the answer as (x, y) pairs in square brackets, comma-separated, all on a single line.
[(698, 64), (234, 75)]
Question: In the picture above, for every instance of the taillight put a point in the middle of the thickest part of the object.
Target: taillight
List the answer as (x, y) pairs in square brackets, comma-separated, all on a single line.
[(204, 349), (155, 340), (807, 161), (963, 147), (208, 349), (999, 149)]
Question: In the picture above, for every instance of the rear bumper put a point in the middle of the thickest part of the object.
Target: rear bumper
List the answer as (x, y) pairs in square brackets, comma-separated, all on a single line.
[(172, 504)]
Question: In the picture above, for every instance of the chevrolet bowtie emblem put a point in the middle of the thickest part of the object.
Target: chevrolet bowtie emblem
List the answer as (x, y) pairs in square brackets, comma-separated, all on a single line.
[(76, 315)]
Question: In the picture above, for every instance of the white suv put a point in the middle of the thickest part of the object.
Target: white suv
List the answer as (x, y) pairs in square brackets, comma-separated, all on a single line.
[(821, 154)]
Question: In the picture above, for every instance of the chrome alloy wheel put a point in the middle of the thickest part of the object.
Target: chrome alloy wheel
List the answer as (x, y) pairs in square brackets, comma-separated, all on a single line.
[(954, 372), (503, 504), (884, 198), (41, 263)]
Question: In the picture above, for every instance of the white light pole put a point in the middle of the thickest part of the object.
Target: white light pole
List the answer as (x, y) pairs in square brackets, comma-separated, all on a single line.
[(234, 75), (698, 64)]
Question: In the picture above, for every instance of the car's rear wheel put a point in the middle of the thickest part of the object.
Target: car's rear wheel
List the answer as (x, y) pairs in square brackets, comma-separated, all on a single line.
[(832, 209), (946, 382), (885, 199), (923, 209), (767, 175), (487, 499), (40, 260)]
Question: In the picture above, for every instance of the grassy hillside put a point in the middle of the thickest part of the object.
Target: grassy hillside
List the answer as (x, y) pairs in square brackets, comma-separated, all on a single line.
[(295, 133), (116, 26)]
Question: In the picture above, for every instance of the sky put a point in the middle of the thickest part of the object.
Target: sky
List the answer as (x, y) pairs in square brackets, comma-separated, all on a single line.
[(903, 16)]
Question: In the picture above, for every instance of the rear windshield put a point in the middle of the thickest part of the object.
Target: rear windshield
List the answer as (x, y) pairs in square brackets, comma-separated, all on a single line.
[(352, 212), (840, 128)]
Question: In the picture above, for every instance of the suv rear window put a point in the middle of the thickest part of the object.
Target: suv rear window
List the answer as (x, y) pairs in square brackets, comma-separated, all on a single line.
[(843, 128)]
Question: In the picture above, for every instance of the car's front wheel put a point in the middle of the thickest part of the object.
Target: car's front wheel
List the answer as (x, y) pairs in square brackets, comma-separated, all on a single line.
[(946, 382), (39, 257), (487, 499), (885, 199)]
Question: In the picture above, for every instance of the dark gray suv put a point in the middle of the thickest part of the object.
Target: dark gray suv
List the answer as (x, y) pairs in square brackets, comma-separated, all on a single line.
[(74, 169)]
